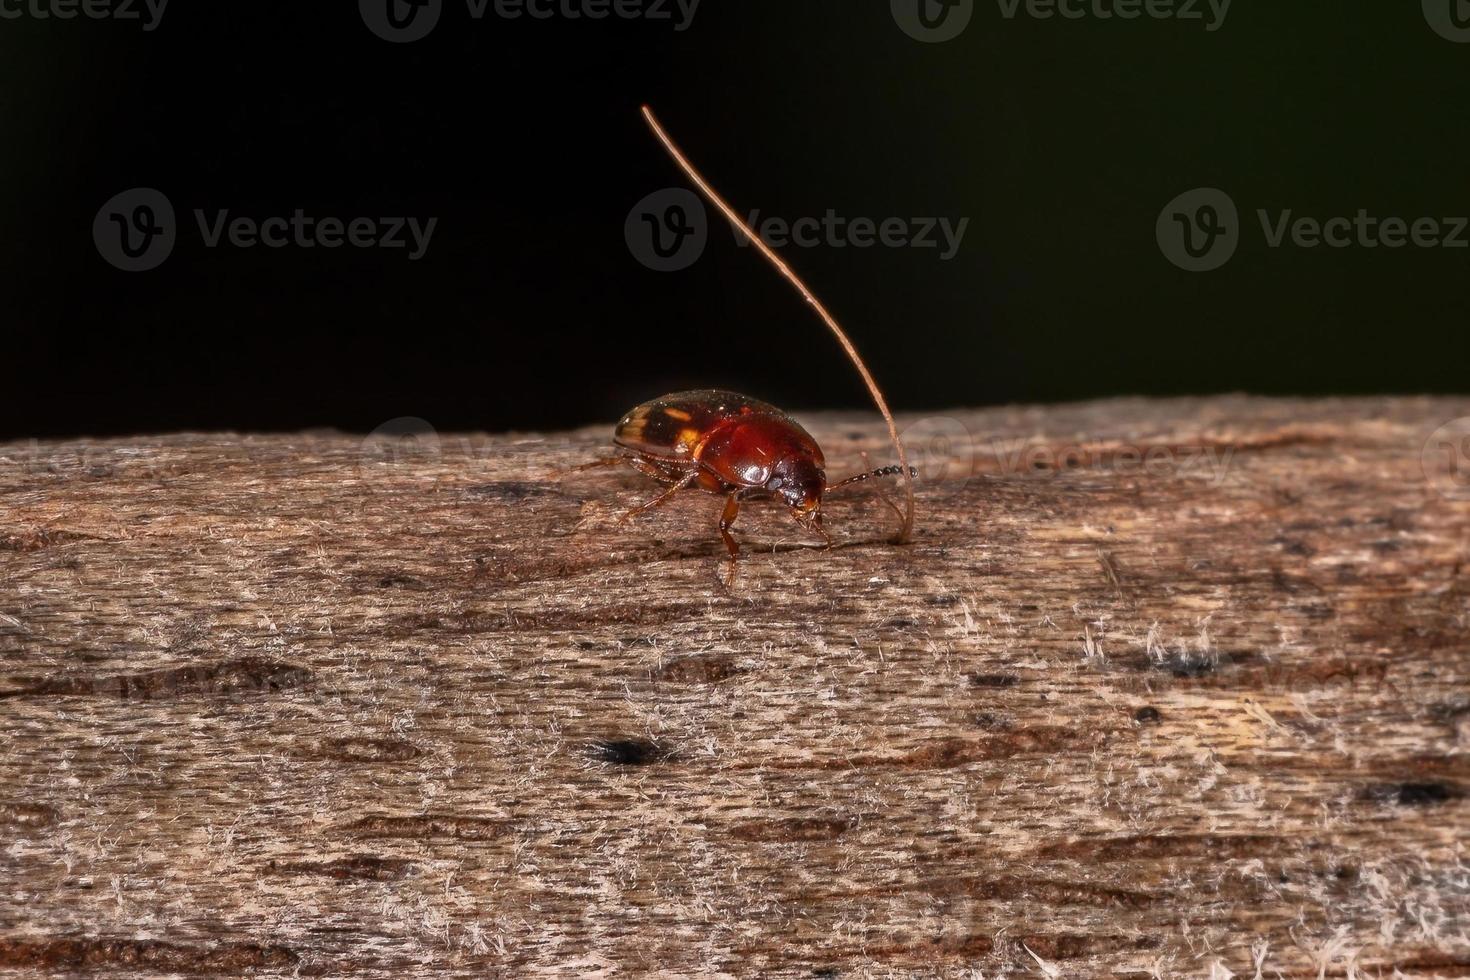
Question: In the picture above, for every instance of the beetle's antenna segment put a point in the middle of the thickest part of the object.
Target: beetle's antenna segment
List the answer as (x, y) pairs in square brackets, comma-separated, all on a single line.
[(724, 208)]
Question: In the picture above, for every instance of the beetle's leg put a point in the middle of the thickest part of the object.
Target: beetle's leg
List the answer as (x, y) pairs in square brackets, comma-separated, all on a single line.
[(597, 464), (662, 498), (594, 465), (823, 532), (732, 511), (649, 469), (812, 522)]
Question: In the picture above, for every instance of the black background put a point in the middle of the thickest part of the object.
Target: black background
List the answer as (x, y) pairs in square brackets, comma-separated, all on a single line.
[(1061, 141)]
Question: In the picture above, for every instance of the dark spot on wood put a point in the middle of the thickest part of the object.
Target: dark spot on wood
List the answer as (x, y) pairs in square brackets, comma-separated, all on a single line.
[(963, 946), (792, 829), (427, 827), (628, 752), (1290, 584), (397, 581), (991, 721), (1049, 891), (368, 750), (1187, 664), (994, 680), (948, 753), (1320, 611), (942, 753), (88, 954), (1147, 715), (1433, 964), (1075, 945), (942, 600), (702, 668), (35, 540), (1150, 847), (28, 816), (361, 867), (472, 622), (512, 491), (1449, 711), (242, 676), (1413, 794)]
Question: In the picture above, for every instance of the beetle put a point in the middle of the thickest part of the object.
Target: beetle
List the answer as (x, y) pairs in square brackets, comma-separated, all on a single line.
[(730, 444), (735, 445)]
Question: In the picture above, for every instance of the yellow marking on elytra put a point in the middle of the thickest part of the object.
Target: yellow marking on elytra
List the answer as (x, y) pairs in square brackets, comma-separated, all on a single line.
[(678, 414)]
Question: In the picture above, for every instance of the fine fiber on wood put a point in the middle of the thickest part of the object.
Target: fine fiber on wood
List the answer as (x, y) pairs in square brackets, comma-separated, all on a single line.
[(1159, 688)]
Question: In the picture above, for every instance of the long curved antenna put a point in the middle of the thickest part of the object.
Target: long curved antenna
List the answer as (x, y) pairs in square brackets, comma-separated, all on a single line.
[(906, 531)]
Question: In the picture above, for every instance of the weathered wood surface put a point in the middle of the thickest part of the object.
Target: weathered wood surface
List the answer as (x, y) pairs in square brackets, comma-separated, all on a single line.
[(307, 705)]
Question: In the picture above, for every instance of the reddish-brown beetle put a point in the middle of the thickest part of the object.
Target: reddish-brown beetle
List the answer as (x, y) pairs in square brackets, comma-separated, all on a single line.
[(731, 444)]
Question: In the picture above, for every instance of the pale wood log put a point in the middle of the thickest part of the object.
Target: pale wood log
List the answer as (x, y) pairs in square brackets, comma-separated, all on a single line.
[(304, 705)]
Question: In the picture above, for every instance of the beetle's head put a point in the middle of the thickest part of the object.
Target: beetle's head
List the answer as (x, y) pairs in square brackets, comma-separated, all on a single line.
[(800, 483)]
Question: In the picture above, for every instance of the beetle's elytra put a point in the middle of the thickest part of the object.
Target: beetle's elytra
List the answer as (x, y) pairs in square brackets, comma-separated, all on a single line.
[(730, 444)]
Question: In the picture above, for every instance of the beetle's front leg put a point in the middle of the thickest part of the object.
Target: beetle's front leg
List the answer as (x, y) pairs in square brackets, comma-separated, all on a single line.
[(732, 511)]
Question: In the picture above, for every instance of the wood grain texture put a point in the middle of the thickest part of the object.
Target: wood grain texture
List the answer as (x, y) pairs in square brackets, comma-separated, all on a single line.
[(1160, 688)]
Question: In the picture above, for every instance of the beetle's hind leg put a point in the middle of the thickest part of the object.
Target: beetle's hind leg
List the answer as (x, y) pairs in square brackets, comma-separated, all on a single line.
[(596, 464)]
